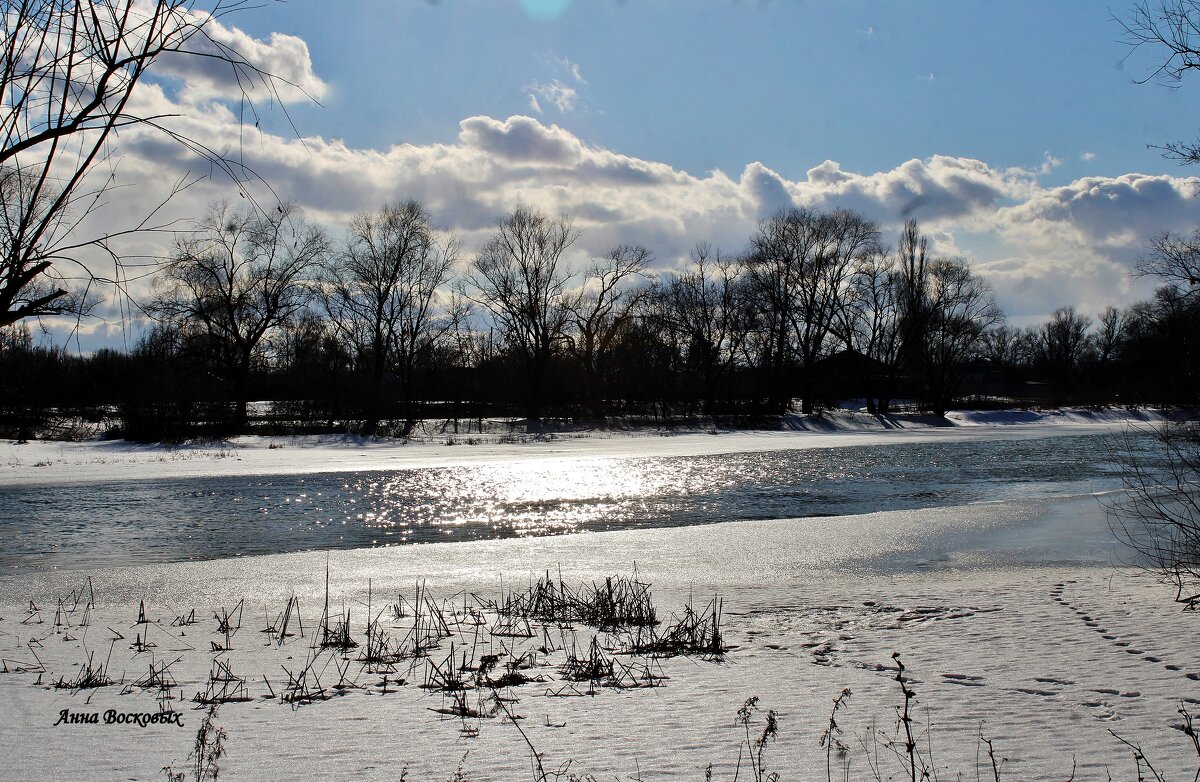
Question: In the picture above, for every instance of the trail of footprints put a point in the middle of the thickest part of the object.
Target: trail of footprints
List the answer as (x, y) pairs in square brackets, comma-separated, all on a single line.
[(830, 627), (1103, 708)]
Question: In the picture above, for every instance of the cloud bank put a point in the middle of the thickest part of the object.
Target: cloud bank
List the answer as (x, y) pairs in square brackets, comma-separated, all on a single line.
[(1041, 246)]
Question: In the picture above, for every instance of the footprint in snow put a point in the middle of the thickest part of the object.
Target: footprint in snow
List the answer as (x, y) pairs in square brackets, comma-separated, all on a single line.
[(1102, 710), (965, 680)]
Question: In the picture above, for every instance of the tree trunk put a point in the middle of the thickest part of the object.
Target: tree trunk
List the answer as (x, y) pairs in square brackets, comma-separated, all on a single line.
[(241, 392)]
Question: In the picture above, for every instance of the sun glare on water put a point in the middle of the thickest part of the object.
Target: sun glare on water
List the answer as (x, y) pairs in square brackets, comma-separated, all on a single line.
[(536, 497)]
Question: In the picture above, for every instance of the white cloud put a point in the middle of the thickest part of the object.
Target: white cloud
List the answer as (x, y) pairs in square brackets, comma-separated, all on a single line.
[(559, 95), (935, 189), (558, 92), (571, 68), (1042, 247), (210, 76), (1087, 156)]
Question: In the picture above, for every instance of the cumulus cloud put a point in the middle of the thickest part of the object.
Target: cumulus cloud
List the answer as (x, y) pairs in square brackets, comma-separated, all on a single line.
[(210, 76), (1103, 212), (521, 139), (1041, 247), (933, 189)]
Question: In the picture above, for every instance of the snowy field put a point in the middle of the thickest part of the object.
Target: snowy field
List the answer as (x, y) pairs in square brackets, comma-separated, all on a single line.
[(1048, 661)]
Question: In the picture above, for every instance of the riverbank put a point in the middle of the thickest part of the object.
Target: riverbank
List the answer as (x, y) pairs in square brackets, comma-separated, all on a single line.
[(1044, 659), (52, 462)]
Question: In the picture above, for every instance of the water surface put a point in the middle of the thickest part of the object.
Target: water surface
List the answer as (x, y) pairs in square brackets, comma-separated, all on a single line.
[(170, 520)]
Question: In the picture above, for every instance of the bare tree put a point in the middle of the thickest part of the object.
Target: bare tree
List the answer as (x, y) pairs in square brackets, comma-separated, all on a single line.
[(957, 310), (1175, 260), (1004, 347), (912, 252), (870, 324), (706, 308), (520, 278), (800, 262), (1172, 29), (602, 310), (1158, 516), (1060, 346), (945, 309), (381, 292), (234, 280), (1110, 335), (28, 286), (68, 72)]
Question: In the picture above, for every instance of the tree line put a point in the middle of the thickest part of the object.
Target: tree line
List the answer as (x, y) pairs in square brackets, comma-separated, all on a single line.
[(396, 321)]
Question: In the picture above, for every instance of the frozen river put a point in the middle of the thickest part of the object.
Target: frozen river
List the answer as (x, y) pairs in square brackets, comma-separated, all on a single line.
[(130, 521)]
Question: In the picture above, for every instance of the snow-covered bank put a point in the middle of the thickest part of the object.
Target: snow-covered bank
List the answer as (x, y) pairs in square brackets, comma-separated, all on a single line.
[(1048, 657), (49, 462)]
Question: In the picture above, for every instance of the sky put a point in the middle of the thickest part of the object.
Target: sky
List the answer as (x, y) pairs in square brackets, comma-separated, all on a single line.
[(1016, 132)]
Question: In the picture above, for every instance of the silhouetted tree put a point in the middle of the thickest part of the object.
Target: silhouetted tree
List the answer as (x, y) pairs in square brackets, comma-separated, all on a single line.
[(1175, 260), (313, 371), (236, 278), (956, 309), (912, 300), (1110, 336), (381, 293), (521, 278), (1004, 347), (1172, 29), (600, 311), (800, 262), (706, 309), (1061, 346), (870, 324), (68, 73)]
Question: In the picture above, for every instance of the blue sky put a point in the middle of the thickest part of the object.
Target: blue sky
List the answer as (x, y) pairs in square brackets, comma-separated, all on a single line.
[(1014, 131), (703, 85)]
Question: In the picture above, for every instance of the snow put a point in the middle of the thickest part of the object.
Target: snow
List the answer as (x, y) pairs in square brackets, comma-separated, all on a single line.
[(53, 462), (1011, 618)]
